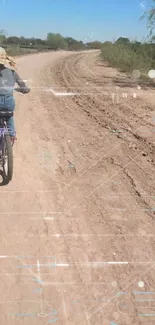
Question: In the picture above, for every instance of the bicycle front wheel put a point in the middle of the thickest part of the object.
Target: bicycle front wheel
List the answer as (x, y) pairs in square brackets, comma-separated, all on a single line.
[(7, 159)]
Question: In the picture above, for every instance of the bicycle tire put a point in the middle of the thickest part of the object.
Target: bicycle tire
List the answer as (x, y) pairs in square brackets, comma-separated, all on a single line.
[(7, 152)]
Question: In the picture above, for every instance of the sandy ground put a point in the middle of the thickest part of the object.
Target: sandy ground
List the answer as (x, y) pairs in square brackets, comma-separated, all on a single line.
[(77, 221)]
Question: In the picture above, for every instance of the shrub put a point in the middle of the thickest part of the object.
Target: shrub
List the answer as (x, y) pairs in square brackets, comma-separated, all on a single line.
[(129, 57)]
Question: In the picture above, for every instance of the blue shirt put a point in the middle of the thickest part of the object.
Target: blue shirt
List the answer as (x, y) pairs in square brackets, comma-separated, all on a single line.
[(8, 78)]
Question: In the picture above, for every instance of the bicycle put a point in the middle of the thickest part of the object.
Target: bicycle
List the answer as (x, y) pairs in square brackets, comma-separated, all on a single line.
[(6, 150)]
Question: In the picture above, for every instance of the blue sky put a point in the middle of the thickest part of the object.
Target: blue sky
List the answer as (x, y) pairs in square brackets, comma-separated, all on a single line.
[(82, 19)]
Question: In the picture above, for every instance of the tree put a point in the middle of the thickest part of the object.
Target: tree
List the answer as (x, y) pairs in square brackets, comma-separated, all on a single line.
[(13, 40), (122, 40), (108, 43), (56, 41), (3, 37), (149, 16), (74, 45), (22, 40), (96, 45)]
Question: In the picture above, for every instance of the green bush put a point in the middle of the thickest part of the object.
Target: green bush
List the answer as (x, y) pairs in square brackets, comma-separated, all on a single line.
[(129, 57), (15, 51)]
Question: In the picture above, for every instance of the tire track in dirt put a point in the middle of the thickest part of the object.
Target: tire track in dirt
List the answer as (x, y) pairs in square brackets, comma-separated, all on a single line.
[(118, 116), (140, 143)]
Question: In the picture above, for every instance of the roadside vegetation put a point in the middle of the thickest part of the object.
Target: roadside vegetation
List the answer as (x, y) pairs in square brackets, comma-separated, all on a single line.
[(53, 42), (129, 56)]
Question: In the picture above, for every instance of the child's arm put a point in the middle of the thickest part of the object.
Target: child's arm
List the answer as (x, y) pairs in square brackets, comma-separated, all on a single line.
[(23, 88)]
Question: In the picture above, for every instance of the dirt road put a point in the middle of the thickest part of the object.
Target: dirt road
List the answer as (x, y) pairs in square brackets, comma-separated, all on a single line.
[(77, 221)]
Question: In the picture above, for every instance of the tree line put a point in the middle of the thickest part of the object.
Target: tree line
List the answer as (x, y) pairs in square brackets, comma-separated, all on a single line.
[(53, 41)]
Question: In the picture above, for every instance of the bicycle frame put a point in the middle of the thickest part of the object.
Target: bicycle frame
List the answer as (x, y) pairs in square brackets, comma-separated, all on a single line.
[(3, 131)]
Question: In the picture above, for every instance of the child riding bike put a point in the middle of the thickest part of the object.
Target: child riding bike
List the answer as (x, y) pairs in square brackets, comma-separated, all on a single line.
[(8, 78)]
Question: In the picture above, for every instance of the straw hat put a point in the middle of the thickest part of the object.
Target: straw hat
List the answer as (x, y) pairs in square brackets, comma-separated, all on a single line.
[(5, 59)]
